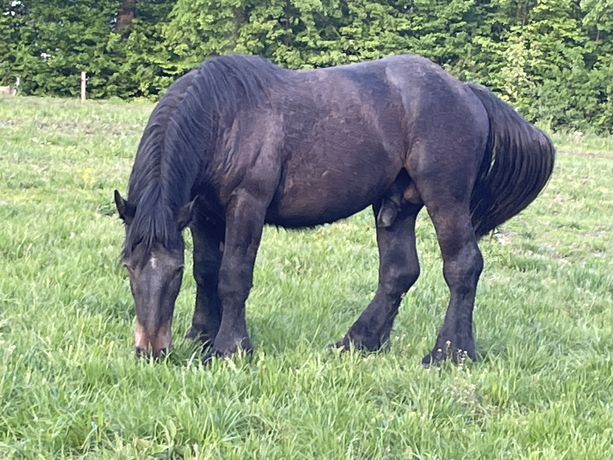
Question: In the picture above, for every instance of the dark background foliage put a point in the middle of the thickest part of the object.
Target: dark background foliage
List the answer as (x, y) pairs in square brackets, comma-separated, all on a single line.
[(551, 59)]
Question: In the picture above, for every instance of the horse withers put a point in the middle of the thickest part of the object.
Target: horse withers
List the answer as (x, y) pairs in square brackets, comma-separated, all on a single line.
[(239, 143)]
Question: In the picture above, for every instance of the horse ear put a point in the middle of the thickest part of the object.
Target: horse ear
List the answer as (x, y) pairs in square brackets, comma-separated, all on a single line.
[(125, 210), (185, 214)]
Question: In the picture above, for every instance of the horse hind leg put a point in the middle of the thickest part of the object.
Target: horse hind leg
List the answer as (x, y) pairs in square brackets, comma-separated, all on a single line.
[(445, 190), (462, 266), (398, 271)]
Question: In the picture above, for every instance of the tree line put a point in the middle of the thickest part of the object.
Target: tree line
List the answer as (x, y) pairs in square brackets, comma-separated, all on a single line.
[(551, 59)]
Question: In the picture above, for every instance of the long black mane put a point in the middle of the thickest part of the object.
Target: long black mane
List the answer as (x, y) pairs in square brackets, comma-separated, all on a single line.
[(181, 135)]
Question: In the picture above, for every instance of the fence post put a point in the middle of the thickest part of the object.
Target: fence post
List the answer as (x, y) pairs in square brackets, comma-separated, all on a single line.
[(83, 85)]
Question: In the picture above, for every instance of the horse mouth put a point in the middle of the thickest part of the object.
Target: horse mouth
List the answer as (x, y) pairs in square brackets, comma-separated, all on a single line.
[(153, 343)]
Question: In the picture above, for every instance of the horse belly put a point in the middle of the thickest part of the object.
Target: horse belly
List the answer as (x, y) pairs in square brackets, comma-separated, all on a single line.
[(332, 186)]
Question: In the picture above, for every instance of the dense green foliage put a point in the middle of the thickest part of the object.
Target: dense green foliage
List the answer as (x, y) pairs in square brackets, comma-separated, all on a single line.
[(552, 59), (71, 388)]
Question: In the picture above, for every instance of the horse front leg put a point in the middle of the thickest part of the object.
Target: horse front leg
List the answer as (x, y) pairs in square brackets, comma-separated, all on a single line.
[(244, 222), (208, 238)]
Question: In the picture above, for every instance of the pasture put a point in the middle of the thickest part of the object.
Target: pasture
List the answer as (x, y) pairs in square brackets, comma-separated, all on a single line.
[(71, 387)]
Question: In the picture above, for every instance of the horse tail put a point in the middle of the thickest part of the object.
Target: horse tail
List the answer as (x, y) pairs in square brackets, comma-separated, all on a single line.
[(518, 162)]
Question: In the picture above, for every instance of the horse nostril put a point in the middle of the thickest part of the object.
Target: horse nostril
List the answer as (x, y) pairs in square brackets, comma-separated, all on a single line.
[(141, 352)]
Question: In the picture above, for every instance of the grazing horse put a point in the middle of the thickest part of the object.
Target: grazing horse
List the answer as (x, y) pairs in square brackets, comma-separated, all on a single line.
[(239, 143)]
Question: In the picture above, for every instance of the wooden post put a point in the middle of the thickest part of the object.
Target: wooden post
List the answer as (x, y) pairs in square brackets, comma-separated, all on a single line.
[(83, 85)]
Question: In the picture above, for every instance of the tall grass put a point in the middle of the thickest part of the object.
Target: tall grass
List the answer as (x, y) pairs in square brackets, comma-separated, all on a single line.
[(70, 386)]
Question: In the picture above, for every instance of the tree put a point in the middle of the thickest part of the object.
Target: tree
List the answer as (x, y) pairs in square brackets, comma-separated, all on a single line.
[(552, 59), (56, 40), (144, 65), (11, 22), (126, 15)]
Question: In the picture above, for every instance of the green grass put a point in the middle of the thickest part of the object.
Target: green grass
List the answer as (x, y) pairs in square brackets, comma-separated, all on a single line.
[(70, 386)]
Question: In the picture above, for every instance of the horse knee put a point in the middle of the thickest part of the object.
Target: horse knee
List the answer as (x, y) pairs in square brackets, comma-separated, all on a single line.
[(234, 286)]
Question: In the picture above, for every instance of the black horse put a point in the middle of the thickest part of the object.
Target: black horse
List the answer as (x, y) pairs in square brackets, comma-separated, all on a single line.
[(239, 143)]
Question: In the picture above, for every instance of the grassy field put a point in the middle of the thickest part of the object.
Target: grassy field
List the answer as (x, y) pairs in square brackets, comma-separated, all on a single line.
[(70, 386)]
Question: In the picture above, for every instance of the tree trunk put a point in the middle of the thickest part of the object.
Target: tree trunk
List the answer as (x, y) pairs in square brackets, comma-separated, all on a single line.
[(126, 15)]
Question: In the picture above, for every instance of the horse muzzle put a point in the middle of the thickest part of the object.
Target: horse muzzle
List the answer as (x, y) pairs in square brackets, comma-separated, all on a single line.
[(155, 342)]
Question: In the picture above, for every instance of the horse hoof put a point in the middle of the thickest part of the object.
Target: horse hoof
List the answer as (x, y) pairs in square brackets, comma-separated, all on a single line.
[(207, 358), (341, 345), (241, 346), (193, 333), (363, 345), (198, 335), (449, 352)]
